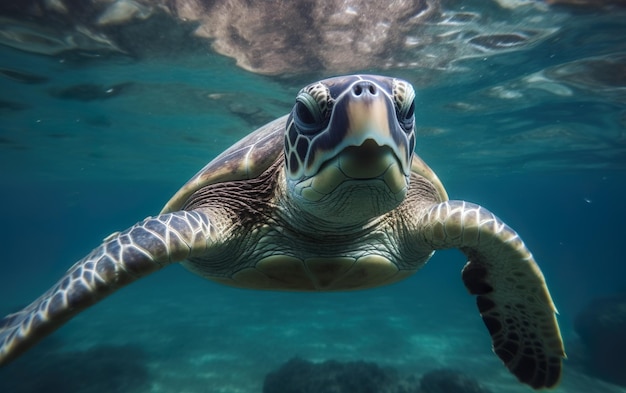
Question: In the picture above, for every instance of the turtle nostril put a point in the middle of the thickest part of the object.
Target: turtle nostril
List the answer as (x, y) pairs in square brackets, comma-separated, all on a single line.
[(364, 88)]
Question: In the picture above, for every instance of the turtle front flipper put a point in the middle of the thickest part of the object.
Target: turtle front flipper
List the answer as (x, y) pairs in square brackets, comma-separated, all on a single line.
[(513, 298), (121, 259)]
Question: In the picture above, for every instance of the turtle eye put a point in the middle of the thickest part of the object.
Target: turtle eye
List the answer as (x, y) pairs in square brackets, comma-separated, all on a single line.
[(307, 113), (409, 114), (311, 111), (404, 98)]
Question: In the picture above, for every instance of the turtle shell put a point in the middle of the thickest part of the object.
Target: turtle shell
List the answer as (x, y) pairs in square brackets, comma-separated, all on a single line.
[(252, 155), (244, 160), (421, 168)]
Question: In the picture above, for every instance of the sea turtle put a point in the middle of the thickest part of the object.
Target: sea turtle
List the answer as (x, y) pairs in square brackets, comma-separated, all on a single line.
[(329, 197)]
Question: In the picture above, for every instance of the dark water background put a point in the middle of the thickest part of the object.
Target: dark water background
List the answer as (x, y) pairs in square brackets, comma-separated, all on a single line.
[(90, 145)]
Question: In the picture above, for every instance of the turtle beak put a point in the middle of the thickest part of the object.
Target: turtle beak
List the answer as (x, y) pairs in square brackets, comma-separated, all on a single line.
[(367, 161), (370, 128), (368, 114)]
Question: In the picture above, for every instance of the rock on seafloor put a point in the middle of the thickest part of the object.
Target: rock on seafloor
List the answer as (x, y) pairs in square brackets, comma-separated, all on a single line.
[(601, 326), (302, 376)]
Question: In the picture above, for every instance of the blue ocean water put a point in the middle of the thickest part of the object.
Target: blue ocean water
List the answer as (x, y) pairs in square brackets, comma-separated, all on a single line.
[(524, 113)]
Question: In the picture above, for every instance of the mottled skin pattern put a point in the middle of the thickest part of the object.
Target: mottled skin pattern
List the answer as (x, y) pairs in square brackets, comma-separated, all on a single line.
[(363, 212), (512, 297)]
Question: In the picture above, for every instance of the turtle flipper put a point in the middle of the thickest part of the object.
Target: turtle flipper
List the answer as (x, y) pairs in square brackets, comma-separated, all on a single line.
[(120, 260), (513, 298)]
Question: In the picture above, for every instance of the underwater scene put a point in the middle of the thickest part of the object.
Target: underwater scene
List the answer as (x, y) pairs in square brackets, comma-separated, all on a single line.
[(108, 107)]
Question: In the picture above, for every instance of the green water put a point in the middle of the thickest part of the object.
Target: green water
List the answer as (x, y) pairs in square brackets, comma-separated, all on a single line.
[(92, 143)]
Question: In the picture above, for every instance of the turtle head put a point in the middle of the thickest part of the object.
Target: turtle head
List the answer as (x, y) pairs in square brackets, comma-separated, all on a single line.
[(348, 146)]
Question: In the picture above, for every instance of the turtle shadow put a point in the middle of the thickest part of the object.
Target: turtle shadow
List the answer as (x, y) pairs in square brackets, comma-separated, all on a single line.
[(104, 368)]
